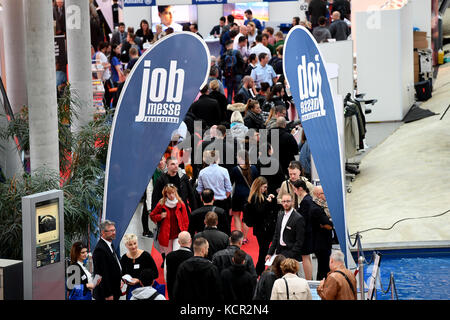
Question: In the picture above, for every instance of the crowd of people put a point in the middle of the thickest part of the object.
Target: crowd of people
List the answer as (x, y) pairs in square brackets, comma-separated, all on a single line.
[(203, 208)]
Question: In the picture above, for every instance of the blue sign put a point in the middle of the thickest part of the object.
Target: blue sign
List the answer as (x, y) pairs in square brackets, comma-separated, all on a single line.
[(308, 81), (209, 1), (155, 98), (138, 3)]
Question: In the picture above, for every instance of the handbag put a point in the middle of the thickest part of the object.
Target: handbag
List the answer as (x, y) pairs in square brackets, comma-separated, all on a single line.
[(77, 293), (161, 288)]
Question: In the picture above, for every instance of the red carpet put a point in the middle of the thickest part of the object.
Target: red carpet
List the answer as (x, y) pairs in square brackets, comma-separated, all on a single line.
[(250, 248)]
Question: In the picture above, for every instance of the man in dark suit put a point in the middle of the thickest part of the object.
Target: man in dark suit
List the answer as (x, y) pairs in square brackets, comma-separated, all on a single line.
[(198, 280), (217, 239), (196, 222), (206, 108), (289, 231), (119, 36), (174, 260), (216, 31), (107, 265), (59, 16)]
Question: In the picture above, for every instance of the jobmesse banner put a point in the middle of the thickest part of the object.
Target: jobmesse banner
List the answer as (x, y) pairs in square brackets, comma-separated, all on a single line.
[(154, 100), (308, 81)]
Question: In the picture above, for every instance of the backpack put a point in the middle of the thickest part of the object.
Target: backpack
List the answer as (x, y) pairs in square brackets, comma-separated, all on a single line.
[(230, 62)]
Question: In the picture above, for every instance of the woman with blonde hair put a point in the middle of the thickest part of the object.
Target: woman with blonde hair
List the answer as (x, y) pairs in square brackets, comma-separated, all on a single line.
[(290, 286), (172, 215), (134, 261), (237, 128), (251, 33), (261, 214)]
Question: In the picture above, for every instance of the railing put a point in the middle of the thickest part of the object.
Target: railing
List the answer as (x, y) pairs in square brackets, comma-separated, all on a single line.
[(375, 277)]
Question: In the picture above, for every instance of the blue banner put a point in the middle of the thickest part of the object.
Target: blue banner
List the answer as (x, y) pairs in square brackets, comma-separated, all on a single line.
[(308, 81), (209, 1), (138, 3), (155, 98)]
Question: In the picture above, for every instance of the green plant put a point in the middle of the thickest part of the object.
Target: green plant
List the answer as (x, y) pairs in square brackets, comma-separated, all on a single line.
[(82, 168)]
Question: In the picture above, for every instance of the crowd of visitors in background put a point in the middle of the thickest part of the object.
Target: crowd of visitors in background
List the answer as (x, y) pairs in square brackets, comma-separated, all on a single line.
[(247, 116)]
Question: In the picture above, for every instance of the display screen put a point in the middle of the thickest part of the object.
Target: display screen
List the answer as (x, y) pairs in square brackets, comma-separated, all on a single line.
[(47, 224), (260, 11), (174, 16)]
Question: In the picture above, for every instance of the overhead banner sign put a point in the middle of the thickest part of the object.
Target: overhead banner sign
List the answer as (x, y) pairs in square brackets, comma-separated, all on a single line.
[(305, 71), (139, 3), (154, 100)]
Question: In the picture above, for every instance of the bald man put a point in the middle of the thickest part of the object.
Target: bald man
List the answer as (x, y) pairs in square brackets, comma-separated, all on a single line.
[(175, 258), (338, 28), (242, 32)]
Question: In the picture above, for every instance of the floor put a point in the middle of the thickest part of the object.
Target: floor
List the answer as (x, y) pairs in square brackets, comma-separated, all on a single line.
[(405, 173)]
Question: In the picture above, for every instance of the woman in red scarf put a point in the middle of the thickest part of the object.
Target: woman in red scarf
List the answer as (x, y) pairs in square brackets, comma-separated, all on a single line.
[(171, 216)]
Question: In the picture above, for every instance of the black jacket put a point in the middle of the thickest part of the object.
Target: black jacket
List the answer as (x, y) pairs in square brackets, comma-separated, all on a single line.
[(288, 148), (293, 236), (173, 260), (322, 237), (185, 191), (274, 180), (197, 280), (222, 259), (316, 9), (238, 284), (264, 287), (217, 240), (264, 216), (223, 103), (207, 109), (106, 264), (197, 220)]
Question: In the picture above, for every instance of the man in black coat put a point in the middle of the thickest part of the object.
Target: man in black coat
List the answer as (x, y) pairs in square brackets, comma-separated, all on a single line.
[(175, 258), (288, 147), (322, 230), (223, 258), (217, 240), (289, 231), (107, 265), (338, 28), (238, 283), (206, 108), (198, 280), (196, 223), (179, 180), (316, 9)]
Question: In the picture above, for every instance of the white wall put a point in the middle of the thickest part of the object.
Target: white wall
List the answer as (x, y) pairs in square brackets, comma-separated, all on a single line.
[(208, 16), (384, 59), (132, 16), (341, 53)]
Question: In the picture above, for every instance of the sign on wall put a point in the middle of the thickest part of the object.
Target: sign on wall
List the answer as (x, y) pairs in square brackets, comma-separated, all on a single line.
[(155, 98)]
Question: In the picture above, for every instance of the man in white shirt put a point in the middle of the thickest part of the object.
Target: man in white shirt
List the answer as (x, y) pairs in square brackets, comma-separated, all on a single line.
[(242, 32), (263, 72), (260, 47), (289, 232), (166, 15)]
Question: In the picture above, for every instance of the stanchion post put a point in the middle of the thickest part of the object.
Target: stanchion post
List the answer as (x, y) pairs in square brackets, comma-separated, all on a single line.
[(361, 277)]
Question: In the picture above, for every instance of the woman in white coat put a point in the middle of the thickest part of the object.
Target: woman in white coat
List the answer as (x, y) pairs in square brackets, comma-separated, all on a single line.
[(290, 286)]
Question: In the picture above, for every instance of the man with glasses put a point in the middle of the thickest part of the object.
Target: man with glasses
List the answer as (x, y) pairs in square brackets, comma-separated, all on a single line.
[(107, 265), (289, 231)]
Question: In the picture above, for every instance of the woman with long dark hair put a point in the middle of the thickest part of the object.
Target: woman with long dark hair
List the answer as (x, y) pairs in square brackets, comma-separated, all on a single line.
[(261, 214), (79, 289), (116, 66), (274, 98), (253, 118), (242, 176), (144, 32)]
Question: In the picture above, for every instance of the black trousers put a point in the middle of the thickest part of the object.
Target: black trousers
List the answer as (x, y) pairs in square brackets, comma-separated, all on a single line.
[(144, 218), (225, 204), (323, 267), (263, 243)]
